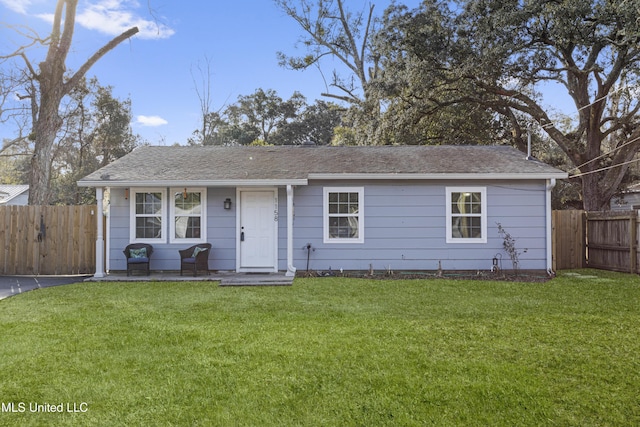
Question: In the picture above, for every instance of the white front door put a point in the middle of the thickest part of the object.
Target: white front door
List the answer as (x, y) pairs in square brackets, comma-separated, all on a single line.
[(258, 230)]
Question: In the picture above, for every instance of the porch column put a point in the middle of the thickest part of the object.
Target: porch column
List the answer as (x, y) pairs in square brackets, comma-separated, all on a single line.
[(100, 240), (291, 270), (550, 184)]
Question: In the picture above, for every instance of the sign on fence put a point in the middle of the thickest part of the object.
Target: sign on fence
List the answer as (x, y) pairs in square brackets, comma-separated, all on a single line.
[(47, 240)]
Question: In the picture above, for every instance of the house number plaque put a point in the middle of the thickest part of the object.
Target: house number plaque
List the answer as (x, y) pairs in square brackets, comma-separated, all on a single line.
[(275, 209)]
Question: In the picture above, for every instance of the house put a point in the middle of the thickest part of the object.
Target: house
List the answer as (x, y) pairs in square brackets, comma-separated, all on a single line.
[(628, 200), (267, 209), (14, 195)]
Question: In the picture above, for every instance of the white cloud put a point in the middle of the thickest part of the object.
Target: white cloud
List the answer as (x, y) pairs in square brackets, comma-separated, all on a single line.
[(151, 121), (113, 17), (18, 6)]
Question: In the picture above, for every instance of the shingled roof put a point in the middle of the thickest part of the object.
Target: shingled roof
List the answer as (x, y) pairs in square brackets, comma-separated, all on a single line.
[(153, 165), (9, 192)]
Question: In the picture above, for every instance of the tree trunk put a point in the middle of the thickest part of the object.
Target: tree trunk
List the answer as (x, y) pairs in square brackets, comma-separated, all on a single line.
[(40, 175), (593, 198), (53, 88), (46, 127)]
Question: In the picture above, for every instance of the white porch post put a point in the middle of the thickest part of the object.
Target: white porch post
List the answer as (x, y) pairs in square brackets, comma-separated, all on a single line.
[(550, 184), (100, 240), (291, 270)]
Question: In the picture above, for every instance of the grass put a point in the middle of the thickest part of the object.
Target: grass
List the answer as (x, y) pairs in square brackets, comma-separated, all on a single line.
[(327, 351)]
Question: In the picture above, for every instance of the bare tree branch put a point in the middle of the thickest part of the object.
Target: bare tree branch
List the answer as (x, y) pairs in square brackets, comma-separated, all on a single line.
[(96, 56)]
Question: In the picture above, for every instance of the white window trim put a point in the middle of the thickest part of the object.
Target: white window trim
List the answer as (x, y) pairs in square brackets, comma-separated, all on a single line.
[(203, 216), (132, 215), (483, 214), (325, 214)]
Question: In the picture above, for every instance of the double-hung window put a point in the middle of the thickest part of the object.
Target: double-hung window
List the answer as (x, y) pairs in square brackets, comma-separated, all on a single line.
[(343, 214), (186, 222), (188, 215), (466, 215), (148, 215)]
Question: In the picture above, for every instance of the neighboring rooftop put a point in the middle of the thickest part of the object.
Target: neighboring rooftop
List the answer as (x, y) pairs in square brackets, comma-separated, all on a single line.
[(10, 192), (153, 164)]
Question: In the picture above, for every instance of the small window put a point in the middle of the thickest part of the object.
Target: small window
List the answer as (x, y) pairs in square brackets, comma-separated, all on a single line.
[(466, 215), (343, 215), (188, 213), (147, 215)]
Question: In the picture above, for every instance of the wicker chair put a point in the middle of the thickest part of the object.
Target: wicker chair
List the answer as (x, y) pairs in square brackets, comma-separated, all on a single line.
[(138, 257), (195, 258)]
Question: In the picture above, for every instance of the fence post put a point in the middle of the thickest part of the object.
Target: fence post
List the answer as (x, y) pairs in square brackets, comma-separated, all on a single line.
[(554, 240), (633, 247), (583, 237)]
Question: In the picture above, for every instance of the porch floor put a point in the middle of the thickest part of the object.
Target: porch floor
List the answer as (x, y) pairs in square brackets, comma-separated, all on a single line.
[(225, 278)]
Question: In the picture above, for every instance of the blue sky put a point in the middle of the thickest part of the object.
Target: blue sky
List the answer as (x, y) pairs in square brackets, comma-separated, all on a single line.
[(156, 68)]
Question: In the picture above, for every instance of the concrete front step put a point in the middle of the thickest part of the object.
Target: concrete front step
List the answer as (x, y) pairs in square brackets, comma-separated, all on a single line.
[(225, 278), (256, 281)]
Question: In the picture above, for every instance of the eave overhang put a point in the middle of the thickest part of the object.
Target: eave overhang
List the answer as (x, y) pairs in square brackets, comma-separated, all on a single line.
[(438, 176), (327, 177), (195, 183)]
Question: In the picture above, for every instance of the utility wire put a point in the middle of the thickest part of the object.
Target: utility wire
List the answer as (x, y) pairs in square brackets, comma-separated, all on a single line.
[(604, 169), (605, 154)]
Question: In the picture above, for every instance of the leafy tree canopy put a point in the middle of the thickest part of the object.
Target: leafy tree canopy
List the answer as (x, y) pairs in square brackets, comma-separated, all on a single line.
[(497, 54), (264, 118), (46, 85), (96, 131)]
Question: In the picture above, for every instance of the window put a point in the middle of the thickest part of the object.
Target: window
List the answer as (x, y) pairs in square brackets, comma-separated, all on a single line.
[(466, 215), (147, 215), (343, 215), (188, 214)]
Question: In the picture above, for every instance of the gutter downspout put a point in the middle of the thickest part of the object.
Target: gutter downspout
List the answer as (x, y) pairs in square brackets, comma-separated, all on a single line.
[(291, 270), (100, 239), (551, 183)]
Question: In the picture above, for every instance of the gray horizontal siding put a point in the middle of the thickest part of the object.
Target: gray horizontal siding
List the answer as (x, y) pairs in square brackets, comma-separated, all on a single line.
[(626, 202), (220, 233), (404, 229)]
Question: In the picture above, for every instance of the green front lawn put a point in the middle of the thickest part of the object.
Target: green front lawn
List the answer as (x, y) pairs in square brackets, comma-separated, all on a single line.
[(326, 352)]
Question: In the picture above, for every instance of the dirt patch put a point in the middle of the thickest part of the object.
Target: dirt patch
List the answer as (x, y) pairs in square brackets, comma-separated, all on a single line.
[(528, 276)]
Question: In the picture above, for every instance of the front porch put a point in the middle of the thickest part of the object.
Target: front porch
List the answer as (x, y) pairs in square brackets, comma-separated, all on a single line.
[(251, 226), (225, 278)]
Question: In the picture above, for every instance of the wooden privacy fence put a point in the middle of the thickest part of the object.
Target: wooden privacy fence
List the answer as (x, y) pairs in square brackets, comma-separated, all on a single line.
[(52, 240), (569, 250), (604, 240), (48, 240), (612, 240)]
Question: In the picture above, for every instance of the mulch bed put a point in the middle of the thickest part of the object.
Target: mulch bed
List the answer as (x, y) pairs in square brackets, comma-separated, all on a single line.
[(506, 276)]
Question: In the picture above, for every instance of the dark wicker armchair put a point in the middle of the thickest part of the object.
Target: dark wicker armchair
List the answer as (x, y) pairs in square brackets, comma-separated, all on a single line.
[(195, 258), (138, 257)]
